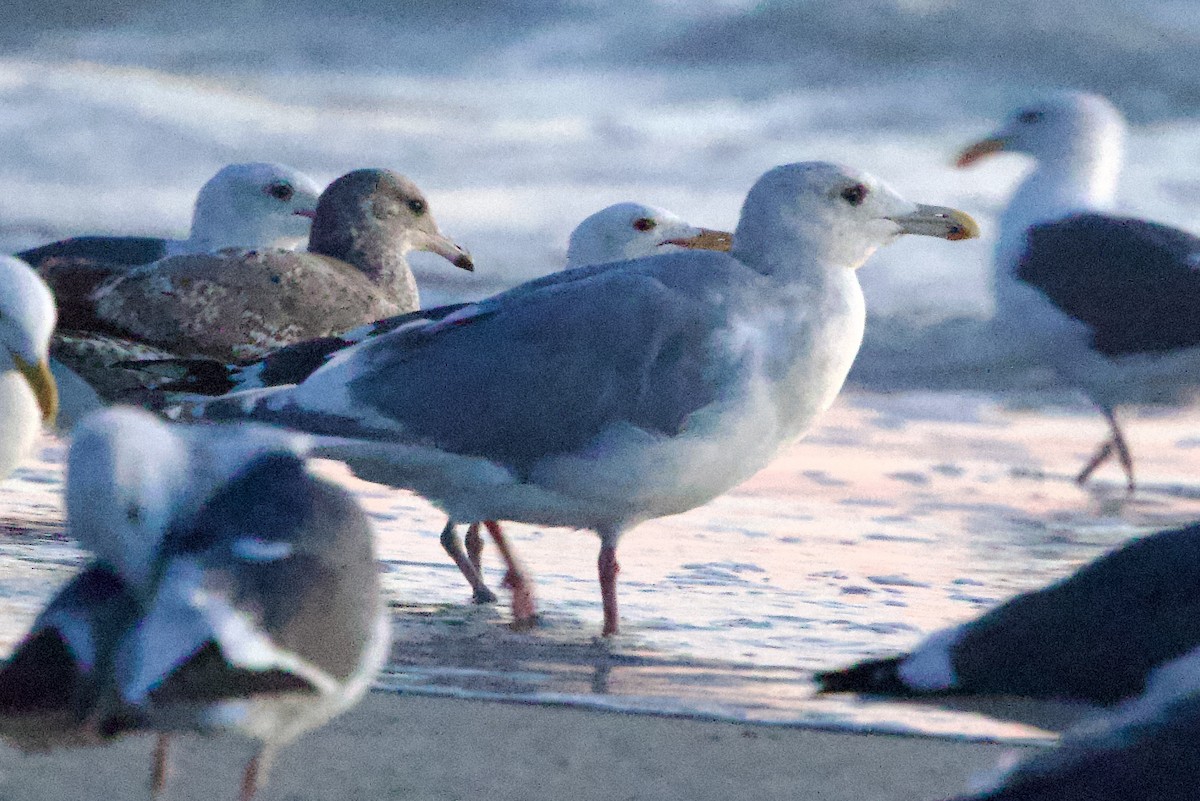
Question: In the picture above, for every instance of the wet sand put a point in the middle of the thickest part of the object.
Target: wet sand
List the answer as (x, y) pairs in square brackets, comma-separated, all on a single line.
[(399, 747)]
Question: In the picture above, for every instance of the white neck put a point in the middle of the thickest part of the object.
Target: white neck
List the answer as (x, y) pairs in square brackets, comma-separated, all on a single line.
[(1082, 177)]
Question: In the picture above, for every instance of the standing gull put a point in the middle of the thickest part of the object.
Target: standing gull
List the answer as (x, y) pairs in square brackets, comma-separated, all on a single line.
[(618, 232), (1094, 636), (605, 396), (1111, 303), (237, 305), (255, 204), (28, 395)]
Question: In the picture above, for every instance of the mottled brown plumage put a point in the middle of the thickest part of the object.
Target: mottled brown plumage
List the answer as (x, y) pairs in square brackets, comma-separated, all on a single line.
[(237, 305)]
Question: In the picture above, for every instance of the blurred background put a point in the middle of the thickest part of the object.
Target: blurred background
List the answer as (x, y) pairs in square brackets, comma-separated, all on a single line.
[(520, 117)]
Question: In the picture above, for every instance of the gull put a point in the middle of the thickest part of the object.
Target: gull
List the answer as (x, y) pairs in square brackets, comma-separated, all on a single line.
[(247, 602), (1111, 303), (28, 394), (618, 232), (256, 204), (238, 304), (605, 396), (1094, 636), (1145, 749)]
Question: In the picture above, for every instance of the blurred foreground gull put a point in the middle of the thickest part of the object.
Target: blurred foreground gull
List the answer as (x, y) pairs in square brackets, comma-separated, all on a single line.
[(232, 592), (616, 233), (237, 305), (1094, 636), (1147, 750), (28, 396), (1112, 303), (244, 205), (605, 396)]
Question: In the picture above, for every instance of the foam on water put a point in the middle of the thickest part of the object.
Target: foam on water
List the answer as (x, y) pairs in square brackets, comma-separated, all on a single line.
[(900, 514)]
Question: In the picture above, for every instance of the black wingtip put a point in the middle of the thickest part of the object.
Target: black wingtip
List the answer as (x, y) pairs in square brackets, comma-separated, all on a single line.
[(876, 676)]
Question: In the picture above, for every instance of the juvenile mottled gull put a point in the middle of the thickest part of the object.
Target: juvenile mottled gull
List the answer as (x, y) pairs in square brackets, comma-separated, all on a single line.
[(605, 396), (249, 606), (1094, 636), (237, 305), (1112, 303), (28, 396), (618, 232), (244, 205)]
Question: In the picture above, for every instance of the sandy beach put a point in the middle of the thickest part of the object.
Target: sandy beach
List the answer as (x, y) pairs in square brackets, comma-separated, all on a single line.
[(407, 747)]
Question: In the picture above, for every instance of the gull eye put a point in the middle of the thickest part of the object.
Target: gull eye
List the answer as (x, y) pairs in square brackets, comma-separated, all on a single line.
[(416, 206), (855, 195), (281, 191), (133, 514), (644, 224), (1030, 117)]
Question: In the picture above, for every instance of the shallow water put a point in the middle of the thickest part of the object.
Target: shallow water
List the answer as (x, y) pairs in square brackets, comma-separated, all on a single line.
[(898, 515)]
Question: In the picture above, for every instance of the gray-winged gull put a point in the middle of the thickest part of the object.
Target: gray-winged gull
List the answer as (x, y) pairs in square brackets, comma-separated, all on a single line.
[(1094, 636), (1145, 750), (617, 232), (255, 204), (28, 395), (605, 396), (237, 305), (260, 615), (1112, 303)]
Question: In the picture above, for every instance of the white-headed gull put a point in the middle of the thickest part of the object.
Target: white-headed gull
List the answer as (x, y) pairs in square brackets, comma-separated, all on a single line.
[(28, 394), (605, 396), (1112, 303)]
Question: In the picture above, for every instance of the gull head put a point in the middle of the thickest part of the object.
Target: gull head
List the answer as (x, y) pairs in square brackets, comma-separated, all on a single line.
[(633, 230), (254, 205), (1060, 128), (835, 214), (127, 475), (27, 316), (373, 210)]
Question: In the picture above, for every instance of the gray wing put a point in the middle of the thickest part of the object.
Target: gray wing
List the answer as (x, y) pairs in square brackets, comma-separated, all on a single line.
[(1156, 760), (55, 677), (286, 552), (236, 306), (543, 372), (1136, 284), (1097, 634)]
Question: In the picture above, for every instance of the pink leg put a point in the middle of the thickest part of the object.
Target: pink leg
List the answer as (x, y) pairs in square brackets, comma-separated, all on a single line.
[(1100, 458), (249, 780), (608, 587), (475, 547), (256, 772), (452, 545), (160, 769), (524, 609)]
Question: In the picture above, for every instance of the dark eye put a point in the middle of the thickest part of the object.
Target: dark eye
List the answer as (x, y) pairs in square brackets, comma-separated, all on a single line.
[(855, 195), (644, 224), (281, 191), (1029, 117), (133, 514), (416, 206)]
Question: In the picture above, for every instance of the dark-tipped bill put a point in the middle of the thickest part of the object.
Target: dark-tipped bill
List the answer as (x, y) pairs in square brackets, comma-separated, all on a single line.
[(707, 239), (939, 221), (982, 148), (41, 381), (436, 243)]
